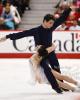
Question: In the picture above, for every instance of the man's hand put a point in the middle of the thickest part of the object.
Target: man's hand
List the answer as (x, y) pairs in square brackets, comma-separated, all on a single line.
[(3, 39), (73, 7)]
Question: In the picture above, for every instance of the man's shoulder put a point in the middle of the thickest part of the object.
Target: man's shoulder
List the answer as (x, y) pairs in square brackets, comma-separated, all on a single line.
[(39, 26)]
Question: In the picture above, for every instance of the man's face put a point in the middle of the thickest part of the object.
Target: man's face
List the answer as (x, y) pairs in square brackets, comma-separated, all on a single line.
[(75, 23), (48, 24)]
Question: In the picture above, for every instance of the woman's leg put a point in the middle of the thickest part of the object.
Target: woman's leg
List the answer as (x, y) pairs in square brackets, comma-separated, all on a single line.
[(66, 86), (63, 77)]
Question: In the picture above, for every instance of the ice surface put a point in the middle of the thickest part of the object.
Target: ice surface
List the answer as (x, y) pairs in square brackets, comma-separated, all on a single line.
[(15, 77)]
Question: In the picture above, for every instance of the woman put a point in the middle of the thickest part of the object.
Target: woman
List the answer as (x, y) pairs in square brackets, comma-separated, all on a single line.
[(7, 18), (39, 73)]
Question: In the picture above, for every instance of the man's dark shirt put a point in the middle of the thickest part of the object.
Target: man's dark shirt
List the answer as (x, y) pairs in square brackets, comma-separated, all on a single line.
[(42, 36)]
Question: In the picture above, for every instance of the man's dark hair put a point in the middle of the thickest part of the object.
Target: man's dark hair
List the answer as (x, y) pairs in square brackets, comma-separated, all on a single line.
[(48, 17)]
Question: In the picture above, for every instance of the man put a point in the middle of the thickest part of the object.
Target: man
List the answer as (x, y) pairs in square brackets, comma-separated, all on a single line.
[(43, 36), (75, 26)]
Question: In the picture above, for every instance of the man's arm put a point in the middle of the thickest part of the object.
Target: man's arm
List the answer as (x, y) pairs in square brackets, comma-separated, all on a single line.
[(15, 36), (62, 18), (22, 34)]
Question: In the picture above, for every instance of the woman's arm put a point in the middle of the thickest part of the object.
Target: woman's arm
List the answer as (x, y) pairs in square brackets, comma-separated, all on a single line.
[(51, 48), (35, 64)]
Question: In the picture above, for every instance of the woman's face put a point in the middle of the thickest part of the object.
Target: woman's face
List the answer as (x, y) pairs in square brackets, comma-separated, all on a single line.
[(7, 9)]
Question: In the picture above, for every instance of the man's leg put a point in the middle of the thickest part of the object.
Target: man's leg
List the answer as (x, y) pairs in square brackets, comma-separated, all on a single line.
[(50, 76), (53, 61)]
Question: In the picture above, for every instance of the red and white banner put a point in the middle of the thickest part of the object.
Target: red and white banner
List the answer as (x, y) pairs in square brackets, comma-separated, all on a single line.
[(68, 45), (67, 41)]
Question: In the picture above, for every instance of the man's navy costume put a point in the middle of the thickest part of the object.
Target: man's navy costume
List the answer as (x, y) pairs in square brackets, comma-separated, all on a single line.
[(43, 36)]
